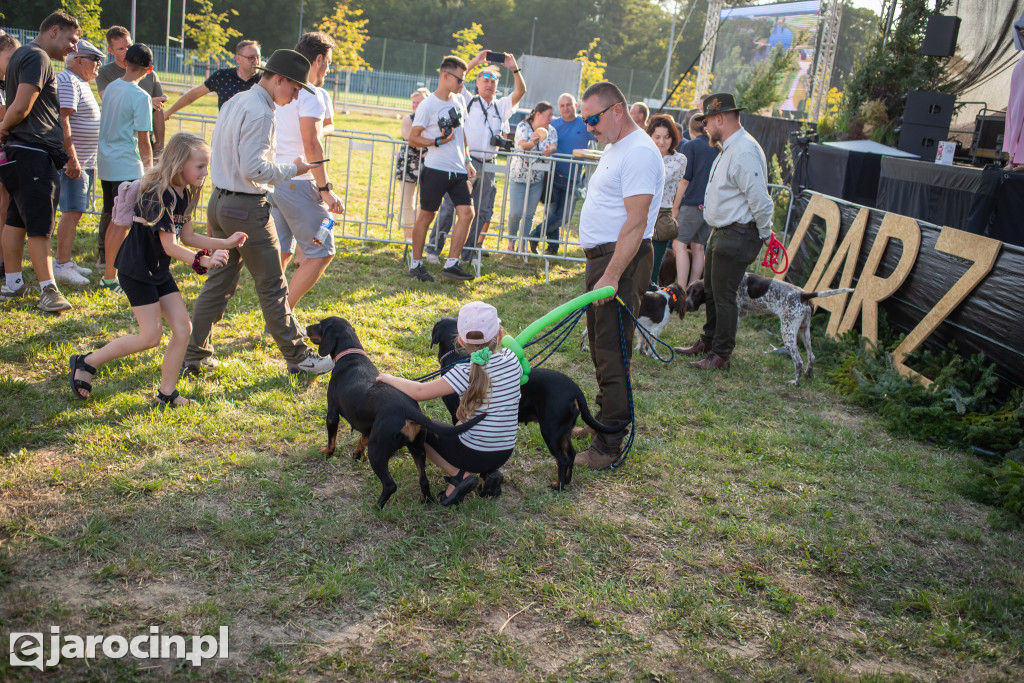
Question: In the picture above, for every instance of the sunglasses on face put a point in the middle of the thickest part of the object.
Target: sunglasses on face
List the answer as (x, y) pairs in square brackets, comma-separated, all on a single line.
[(489, 77), (596, 118), (91, 58), (453, 76)]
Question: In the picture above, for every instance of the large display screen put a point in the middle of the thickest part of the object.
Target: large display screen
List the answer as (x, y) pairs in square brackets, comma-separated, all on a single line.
[(747, 38)]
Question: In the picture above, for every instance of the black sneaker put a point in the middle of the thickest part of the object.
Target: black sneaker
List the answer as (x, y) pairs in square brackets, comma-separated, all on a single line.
[(552, 250), (455, 272), (420, 273), (533, 245)]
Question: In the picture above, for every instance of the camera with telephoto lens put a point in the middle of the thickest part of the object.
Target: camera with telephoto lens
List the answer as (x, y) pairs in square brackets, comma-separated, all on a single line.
[(449, 123), (501, 143)]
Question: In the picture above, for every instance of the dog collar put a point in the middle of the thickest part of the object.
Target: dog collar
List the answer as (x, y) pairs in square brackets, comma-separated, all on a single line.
[(347, 352), (671, 294)]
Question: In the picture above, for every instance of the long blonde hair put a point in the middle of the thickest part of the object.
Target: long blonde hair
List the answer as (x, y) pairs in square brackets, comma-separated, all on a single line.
[(161, 175), (479, 389)]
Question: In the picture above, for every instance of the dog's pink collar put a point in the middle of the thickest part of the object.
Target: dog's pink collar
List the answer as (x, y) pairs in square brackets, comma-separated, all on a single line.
[(348, 351)]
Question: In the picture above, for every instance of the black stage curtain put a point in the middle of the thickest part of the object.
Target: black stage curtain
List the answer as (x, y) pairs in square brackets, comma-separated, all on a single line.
[(772, 134), (988, 321), (998, 208), (927, 191), (842, 173)]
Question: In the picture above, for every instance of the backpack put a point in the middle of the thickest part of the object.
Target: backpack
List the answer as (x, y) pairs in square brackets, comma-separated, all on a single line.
[(124, 203)]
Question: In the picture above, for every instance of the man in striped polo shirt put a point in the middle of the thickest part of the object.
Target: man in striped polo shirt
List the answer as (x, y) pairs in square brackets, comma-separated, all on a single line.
[(80, 119)]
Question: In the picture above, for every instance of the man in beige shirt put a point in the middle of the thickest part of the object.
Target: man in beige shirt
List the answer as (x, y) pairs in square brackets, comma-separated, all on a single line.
[(242, 173)]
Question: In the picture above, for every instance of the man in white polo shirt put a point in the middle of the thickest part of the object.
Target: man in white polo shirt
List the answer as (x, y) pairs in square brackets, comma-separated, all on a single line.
[(302, 203), (615, 232)]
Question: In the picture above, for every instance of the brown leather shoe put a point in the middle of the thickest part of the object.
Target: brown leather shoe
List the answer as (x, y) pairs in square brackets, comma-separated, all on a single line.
[(695, 350), (582, 432), (594, 459), (711, 362)]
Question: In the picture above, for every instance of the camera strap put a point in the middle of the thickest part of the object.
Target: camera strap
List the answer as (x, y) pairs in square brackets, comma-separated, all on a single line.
[(484, 108)]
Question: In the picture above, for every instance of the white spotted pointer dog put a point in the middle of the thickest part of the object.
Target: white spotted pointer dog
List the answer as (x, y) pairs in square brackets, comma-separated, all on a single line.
[(766, 296)]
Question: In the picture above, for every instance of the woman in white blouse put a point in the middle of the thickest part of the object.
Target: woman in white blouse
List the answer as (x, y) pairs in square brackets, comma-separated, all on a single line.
[(527, 176), (665, 134)]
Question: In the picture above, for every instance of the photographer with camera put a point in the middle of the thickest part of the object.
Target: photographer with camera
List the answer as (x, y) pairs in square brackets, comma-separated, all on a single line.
[(486, 120), (437, 127)]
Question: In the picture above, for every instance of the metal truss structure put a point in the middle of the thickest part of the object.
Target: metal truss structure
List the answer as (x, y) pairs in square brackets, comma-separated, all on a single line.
[(831, 17)]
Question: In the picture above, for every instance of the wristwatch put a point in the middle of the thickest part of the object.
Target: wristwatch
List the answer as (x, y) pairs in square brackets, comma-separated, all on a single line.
[(437, 142), (326, 188)]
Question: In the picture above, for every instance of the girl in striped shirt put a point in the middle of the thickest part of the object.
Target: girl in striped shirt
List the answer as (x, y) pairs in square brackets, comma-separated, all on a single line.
[(488, 384)]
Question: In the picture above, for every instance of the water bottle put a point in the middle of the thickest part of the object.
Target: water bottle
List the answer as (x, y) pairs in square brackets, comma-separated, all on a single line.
[(326, 228)]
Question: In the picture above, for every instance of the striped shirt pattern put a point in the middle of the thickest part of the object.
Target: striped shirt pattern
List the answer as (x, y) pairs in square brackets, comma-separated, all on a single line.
[(497, 431), (74, 93)]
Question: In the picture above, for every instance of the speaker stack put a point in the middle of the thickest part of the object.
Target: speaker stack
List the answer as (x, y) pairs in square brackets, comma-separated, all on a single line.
[(927, 116), (926, 122)]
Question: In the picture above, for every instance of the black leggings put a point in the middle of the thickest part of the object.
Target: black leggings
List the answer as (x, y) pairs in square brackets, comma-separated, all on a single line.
[(109, 188), (465, 458)]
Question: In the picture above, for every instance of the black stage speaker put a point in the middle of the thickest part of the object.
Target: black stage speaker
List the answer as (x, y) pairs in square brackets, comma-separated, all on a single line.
[(929, 109), (940, 36), (922, 140)]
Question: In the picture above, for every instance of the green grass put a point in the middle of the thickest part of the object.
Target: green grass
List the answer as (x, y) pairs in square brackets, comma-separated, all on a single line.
[(757, 532)]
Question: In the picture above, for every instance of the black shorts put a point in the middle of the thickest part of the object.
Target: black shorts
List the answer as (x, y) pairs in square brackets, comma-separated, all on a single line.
[(34, 185), (465, 458), (434, 185), (141, 293)]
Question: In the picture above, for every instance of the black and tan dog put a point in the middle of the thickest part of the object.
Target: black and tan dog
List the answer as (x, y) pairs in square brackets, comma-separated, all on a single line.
[(550, 399), (761, 295), (386, 418)]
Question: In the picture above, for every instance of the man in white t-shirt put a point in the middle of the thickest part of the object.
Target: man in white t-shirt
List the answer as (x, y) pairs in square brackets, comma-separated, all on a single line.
[(437, 128), (301, 204), (486, 119), (615, 232)]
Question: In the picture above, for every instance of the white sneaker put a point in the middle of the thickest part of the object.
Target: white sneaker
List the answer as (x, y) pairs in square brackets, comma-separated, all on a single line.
[(66, 272), (82, 270), (313, 363), (431, 258)]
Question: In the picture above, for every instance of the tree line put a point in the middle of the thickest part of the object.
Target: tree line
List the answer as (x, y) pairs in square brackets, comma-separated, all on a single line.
[(633, 34)]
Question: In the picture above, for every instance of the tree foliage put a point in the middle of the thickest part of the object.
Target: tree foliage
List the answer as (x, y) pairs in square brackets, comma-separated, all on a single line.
[(207, 29), (466, 45), (759, 89), (887, 73), (87, 12), (349, 32), (593, 65)]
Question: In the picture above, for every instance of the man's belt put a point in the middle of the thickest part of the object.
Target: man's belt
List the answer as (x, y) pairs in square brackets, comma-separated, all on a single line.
[(740, 228), (233, 193), (605, 249)]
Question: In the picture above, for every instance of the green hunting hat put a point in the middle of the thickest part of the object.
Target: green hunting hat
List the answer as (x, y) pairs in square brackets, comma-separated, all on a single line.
[(719, 103), (291, 65)]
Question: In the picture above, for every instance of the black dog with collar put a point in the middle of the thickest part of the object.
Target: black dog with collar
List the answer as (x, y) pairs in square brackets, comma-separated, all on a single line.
[(550, 399), (386, 418)]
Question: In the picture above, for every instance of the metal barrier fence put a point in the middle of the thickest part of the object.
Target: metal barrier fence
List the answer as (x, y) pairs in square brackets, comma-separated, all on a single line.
[(363, 164)]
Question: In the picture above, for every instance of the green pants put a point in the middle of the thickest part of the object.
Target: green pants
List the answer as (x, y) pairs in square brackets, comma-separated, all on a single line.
[(729, 253), (261, 255), (607, 341)]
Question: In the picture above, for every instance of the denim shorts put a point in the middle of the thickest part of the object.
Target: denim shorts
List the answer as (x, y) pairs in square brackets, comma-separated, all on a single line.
[(74, 194)]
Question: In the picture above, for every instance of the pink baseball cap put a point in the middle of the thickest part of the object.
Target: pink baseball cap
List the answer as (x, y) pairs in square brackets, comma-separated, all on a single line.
[(478, 318)]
